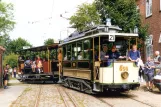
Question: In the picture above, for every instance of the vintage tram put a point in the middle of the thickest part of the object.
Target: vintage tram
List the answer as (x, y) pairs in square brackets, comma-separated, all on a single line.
[(49, 62), (83, 69)]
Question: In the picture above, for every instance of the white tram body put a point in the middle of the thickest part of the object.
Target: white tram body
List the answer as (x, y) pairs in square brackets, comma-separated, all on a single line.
[(120, 74), (89, 74)]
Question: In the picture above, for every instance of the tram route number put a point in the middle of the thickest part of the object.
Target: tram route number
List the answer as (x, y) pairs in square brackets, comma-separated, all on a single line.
[(111, 38)]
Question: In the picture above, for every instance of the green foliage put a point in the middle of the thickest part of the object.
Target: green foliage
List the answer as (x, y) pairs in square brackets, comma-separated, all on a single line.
[(49, 41), (85, 17), (18, 44), (6, 23), (143, 32), (6, 17), (11, 59), (122, 13)]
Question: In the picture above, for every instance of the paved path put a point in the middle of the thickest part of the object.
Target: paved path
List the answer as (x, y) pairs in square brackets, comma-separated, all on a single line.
[(7, 96)]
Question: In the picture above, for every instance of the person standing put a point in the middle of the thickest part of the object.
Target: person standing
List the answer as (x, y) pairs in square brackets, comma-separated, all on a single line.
[(149, 73), (14, 72), (157, 62), (134, 54), (39, 65), (6, 76), (60, 59)]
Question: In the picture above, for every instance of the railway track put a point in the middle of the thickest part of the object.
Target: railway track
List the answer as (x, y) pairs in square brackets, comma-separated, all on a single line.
[(38, 97), (68, 100), (111, 104), (142, 102)]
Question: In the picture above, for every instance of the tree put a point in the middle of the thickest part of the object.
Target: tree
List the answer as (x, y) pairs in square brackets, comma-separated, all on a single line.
[(123, 13), (85, 17), (18, 44), (49, 41), (11, 59), (6, 23)]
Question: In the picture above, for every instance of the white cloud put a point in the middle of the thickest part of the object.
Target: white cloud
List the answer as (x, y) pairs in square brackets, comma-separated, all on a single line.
[(33, 19)]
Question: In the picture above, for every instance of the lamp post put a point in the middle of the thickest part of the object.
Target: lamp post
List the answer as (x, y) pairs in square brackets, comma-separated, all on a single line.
[(135, 29)]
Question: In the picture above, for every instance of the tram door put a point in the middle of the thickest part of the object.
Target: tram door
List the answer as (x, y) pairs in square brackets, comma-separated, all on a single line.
[(96, 58), (103, 69)]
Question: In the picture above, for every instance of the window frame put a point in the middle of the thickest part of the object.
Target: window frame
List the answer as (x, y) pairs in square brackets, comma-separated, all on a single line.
[(148, 7), (160, 5)]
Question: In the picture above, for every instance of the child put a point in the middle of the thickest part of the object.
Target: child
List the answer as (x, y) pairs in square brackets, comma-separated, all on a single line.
[(149, 73)]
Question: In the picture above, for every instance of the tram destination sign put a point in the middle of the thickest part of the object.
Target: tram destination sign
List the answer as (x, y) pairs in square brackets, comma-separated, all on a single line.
[(111, 38)]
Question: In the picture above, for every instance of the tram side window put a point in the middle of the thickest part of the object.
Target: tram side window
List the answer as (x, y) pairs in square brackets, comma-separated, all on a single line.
[(87, 48), (64, 53), (80, 51), (74, 52), (68, 52)]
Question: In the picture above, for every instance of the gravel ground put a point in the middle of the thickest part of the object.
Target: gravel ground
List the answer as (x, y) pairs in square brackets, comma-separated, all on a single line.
[(54, 95)]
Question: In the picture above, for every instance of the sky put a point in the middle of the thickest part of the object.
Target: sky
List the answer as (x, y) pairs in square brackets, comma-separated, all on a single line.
[(38, 20)]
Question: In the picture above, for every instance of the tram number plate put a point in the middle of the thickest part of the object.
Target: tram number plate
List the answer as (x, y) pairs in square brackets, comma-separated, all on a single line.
[(111, 38)]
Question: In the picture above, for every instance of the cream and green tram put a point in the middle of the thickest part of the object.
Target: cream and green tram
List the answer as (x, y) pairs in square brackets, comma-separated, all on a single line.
[(83, 69)]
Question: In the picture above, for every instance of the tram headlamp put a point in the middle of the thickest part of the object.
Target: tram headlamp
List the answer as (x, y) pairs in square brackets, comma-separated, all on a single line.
[(124, 75)]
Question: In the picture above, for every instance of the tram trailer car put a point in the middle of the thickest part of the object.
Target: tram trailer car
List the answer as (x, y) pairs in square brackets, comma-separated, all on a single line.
[(49, 64), (89, 74)]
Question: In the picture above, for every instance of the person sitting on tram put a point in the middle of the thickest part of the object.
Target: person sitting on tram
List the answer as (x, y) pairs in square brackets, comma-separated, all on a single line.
[(28, 63), (104, 53), (80, 56), (33, 65), (114, 55)]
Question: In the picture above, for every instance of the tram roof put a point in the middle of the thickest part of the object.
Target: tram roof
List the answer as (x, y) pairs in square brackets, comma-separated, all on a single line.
[(41, 48), (102, 34)]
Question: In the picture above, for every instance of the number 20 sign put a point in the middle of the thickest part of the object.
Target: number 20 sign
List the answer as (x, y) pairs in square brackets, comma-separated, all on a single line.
[(111, 38)]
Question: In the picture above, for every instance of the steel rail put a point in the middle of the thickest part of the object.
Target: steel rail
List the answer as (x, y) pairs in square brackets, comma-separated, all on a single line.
[(68, 95), (38, 97)]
